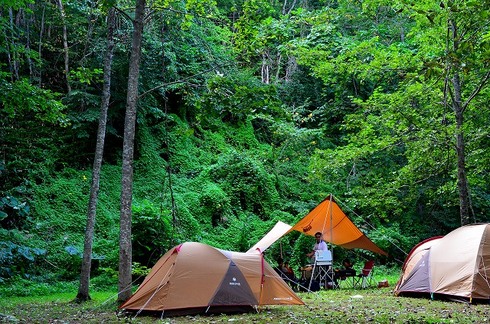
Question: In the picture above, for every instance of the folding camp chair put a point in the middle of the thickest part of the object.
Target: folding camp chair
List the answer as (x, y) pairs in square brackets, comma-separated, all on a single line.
[(365, 278), (346, 280), (346, 277)]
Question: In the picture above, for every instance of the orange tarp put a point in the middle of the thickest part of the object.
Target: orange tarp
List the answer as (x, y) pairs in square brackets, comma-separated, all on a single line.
[(336, 227), (328, 219)]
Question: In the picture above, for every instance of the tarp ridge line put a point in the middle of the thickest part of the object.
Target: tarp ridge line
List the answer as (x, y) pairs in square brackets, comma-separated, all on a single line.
[(374, 228)]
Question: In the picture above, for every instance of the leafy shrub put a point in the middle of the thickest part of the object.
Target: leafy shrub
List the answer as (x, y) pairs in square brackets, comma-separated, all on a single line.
[(17, 256), (235, 236), (23, 99), (247, 183), (186, 224), (215, 204), (139, 272), (106, 280), (151, 231), (14, 213)]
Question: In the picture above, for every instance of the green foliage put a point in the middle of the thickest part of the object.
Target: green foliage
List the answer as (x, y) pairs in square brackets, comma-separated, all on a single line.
[(232, 236), (104, 281), (247, 41), (14, 213), (18, 255), (396, 149), (233, 97), (86, 76), (248, 184), (22, 100), (139, 270), (64, 227), (215, 203), (15, 4), (152, 231)]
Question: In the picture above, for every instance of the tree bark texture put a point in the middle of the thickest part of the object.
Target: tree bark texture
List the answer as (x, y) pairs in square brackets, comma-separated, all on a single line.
[(40, 46), (458, 109), (11, 53), (83, 290), (65, 45), (125, 247), (460, 150)]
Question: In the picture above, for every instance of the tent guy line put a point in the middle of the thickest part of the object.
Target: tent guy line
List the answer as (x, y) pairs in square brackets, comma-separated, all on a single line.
[(363, 219)]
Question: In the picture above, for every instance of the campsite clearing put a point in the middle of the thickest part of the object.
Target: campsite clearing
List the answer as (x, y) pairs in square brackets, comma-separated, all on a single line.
[(333, 306)]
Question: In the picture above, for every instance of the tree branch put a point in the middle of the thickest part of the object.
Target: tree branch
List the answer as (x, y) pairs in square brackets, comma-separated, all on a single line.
[(124, 14), (174, 82), (477, 90)]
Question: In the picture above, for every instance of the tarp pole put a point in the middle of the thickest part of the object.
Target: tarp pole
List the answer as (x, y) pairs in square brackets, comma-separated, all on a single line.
[(331, 226), (262, 275)]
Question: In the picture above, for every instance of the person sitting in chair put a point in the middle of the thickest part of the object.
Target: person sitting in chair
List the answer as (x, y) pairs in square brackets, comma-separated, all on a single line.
[(347, 270), (286, 273)]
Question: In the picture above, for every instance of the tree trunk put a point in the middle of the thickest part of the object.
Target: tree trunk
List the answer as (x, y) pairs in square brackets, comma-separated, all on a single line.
[(65, 45), (460, 150), (460, 145), (11, 53), (125, 248), (40, 46), (83, 290), (90, 31), (28, 23), (265, 68)]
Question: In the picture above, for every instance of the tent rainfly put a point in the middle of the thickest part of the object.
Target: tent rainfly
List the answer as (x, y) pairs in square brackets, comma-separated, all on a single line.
[(328, 219), (455, 266), (196, 278)]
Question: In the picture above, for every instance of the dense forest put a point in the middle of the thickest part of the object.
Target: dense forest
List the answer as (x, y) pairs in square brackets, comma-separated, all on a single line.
[(211, 120)]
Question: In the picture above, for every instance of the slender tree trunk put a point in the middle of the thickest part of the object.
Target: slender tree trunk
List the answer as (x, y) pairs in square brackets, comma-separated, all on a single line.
[(65, 45), (285, 9), (28, 42), (265, 68), (458, 109), (278, 70), (90, 30), (83, 290), (460, 150), (41, 31), (12, 53), (125, 247), (291, 68)]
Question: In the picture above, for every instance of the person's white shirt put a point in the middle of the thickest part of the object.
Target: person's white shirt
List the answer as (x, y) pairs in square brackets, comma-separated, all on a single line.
[(322, 245)]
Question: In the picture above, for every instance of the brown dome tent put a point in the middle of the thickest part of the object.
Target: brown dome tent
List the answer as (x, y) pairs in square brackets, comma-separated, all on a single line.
[(197, 278), (455, 266)]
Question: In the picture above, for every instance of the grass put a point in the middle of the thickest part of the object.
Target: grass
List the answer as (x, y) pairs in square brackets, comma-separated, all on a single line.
[(373, 305)]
